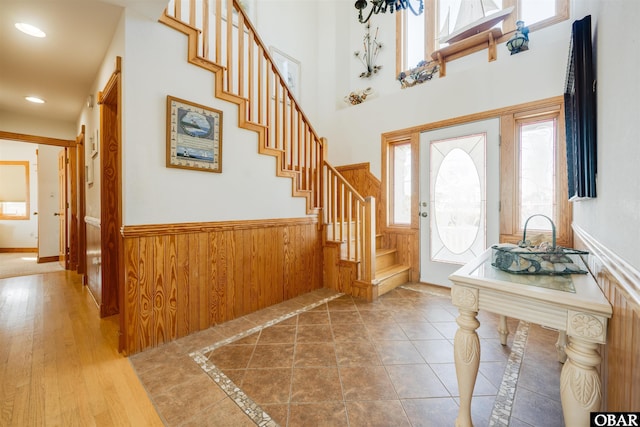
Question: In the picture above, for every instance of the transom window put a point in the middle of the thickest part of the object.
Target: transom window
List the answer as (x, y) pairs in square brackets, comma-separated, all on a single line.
[(419, 36)]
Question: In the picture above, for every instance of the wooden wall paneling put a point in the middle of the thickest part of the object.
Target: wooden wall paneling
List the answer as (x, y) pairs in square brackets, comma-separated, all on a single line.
[(263, 284), (93, 262), (234, 292), (287, 255), (213, 298), (620, 366), (177, 283), (204, 280), (145, 283), (249, 293), (132, 296), (183, 297), (160, 299), (192, 283), (171, 286)]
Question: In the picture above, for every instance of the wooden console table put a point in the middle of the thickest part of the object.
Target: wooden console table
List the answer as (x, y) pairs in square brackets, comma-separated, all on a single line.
[(574, 305)]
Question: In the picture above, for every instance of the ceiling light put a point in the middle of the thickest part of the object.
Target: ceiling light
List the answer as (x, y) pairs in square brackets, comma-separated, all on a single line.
[(30, 29), (34, 99), (381, 6)]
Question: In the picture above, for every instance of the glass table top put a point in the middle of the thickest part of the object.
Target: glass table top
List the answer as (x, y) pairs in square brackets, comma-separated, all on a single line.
[(562, 283)]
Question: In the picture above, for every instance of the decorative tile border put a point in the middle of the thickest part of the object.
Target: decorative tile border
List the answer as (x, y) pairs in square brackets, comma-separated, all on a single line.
[(248, 406), (503, 405)]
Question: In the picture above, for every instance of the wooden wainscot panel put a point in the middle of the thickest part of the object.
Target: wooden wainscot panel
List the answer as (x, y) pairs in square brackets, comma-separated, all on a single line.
[(94, 259), (183, 278), (620, 367)]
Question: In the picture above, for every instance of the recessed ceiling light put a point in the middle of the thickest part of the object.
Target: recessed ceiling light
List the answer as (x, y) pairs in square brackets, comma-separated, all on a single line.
[(30, 29), (34, 99)]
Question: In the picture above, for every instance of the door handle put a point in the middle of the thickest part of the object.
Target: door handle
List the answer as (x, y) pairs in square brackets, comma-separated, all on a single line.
[(57, 214)]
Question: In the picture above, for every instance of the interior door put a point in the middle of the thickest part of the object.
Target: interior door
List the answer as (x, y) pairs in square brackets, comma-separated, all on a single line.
[(459, 197), (61, 214)]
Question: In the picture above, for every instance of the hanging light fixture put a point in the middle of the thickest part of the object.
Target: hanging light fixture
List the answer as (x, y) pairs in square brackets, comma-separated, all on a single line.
[(381, 6)]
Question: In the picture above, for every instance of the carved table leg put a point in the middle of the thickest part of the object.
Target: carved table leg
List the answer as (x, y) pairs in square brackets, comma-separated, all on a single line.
[(580, 388), (503, 330), (466, 350), (561, 344)]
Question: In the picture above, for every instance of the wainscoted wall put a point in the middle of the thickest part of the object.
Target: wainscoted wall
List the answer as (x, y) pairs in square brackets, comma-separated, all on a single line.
[(183, 278), (94, 259), (620, 367)]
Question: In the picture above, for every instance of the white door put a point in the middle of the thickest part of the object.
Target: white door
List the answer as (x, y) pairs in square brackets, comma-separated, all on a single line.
[(459, 197)]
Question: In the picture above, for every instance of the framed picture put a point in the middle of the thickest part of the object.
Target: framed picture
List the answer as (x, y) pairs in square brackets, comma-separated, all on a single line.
[(194, 136), (89, 171), (95, 143), (290, 70)]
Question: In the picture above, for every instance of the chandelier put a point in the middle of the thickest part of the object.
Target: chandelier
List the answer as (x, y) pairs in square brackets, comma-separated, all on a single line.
[(381, 6)]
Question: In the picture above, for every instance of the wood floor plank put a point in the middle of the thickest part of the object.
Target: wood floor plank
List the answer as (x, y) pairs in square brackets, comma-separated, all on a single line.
[(59, 364)]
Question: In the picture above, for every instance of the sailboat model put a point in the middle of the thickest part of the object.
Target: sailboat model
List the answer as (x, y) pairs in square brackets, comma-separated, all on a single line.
[(475, 16)]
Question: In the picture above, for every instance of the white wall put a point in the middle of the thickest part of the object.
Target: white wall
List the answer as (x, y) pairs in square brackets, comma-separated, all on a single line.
[(472, 85), (90, 117), (21, 233), (613, 218), (155, 66)]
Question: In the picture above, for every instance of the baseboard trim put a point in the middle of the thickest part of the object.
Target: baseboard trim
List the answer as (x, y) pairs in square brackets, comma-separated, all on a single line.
[(44, 259), (18, 250)]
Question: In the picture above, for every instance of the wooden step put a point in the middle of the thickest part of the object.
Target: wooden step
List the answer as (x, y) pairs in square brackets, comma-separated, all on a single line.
[(390, 278), (385, 258)]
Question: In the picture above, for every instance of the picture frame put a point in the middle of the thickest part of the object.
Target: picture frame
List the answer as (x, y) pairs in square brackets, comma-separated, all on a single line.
[(289, 68), (89, 170), (194, 136), (95, 142)]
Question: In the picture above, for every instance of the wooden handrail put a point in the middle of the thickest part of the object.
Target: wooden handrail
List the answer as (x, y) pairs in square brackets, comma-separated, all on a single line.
[(350, 219), (223, 40)]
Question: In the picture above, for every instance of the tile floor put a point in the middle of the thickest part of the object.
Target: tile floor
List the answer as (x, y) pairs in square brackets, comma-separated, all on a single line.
[(331, 360)]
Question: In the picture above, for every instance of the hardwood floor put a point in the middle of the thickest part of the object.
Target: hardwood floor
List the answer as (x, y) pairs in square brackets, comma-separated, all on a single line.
[(59, 363)]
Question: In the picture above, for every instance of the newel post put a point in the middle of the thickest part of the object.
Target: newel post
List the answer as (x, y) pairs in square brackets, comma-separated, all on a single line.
[(369, 245)]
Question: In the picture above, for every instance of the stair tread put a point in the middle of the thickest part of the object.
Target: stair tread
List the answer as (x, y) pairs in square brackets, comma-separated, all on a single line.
[(384, 251), (396, 268)]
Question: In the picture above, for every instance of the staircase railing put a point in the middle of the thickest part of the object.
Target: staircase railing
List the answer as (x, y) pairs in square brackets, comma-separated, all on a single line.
[(350, 219), (223, 40)]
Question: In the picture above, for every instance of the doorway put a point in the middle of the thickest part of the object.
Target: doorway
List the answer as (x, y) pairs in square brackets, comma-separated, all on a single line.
[(459, 196)]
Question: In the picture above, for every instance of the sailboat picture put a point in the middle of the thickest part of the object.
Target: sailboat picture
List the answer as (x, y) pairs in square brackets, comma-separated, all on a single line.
[(473, 17)]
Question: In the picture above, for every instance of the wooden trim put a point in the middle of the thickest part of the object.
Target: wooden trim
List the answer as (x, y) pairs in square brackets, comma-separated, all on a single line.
[(400, 133), (19, 250), (128, 231), (110, 169), (45, 259), (510, 226), (37, 139)]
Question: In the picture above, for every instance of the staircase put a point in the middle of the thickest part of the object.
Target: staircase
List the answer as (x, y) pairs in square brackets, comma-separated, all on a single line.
[(389, 272), (222, 40)]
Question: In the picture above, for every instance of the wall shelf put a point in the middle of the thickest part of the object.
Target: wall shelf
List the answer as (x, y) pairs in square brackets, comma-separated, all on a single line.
[(486, 39)]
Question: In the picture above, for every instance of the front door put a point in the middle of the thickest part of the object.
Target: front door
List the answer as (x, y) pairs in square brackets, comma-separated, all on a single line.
[(459, 195), (62, 208)]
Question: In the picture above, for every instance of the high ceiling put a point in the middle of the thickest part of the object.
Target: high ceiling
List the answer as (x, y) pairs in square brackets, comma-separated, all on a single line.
[(62, 67)]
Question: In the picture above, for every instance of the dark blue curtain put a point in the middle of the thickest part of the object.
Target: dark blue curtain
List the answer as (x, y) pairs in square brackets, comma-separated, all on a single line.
[(580, 113)]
